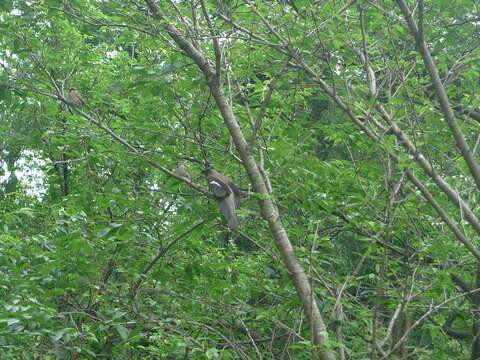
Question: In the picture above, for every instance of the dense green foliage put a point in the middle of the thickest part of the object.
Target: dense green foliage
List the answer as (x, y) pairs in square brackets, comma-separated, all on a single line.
[(105, 255)]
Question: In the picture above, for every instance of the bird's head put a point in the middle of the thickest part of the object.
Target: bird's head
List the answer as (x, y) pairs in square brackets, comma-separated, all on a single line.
[(208, 170)]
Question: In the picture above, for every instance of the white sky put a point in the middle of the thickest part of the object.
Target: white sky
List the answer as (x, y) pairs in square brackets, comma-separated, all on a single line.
[(28, 171)]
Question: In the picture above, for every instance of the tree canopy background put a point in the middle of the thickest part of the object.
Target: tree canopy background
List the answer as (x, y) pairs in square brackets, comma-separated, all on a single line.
[(352, 128)]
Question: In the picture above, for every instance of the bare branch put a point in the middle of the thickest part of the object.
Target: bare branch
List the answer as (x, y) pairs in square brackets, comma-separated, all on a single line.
[(459, 137)]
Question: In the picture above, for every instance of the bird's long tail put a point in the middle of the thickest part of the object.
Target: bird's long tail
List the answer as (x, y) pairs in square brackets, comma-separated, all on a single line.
[(227, 206)]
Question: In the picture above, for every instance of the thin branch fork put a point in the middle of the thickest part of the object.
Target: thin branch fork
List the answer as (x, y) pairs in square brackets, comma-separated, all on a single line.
[(162, 252), (433, 309)]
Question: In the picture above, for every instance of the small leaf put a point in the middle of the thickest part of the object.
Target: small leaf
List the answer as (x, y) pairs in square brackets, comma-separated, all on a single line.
[(122, 331), (58, 335), (102, 233), (118, 314), (212, 353), (26, 211), (11, 321)]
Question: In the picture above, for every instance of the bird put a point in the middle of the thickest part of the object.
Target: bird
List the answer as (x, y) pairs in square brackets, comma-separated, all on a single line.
[(74, 97), (227, 195), (182, 170)]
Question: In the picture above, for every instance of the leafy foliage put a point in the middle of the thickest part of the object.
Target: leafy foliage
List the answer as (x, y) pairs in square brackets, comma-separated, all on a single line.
[(105, 254)]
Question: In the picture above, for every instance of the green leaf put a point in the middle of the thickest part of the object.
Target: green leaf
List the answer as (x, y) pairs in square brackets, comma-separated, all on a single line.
[(212, 353), (102, 233), (122, 331), (58, 335), (10, 321)]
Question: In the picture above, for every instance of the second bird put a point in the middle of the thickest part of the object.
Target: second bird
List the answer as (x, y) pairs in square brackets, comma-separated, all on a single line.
[(182, 170), (74, 97)]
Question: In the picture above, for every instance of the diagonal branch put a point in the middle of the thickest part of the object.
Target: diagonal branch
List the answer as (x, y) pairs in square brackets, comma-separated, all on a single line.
[(417, 32), (216, 45), (162, 252)]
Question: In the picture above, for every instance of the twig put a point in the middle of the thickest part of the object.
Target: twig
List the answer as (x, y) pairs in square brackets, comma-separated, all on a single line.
[(161, 253)]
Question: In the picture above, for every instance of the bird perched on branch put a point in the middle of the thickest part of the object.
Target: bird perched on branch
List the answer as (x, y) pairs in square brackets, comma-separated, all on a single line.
[(74, 97), (182, 170), (227, 195)]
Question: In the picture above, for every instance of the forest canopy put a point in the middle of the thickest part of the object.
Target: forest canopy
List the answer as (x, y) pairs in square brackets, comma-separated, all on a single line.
[(239, 179)]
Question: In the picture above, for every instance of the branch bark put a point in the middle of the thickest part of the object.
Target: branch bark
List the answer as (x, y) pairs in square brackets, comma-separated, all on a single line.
[(418, 34), (269, 211)]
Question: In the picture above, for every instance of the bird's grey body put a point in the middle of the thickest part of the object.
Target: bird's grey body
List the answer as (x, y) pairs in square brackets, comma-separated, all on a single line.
[(227, 195)]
